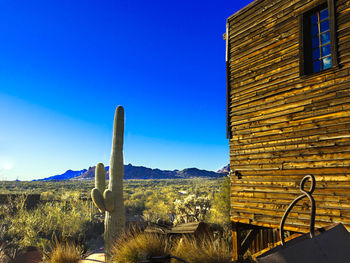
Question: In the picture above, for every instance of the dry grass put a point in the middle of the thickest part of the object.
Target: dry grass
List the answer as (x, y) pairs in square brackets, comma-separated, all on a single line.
[(64, 253), (7, 254), (4, 258), (203, 251), (35, 227), (134, 247)]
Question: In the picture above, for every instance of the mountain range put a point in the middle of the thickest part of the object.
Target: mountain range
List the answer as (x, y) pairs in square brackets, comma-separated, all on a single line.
[(140, 172)]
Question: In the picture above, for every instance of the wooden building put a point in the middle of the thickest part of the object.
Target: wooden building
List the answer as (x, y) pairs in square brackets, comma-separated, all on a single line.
[(288, 115), (194, 229)]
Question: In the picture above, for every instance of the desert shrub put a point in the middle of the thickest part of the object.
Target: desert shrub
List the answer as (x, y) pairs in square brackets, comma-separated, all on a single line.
[(158, 205), (36, 227), (47, 195), (4, 258), (191, 209), (148, 193), (134, 207), (66, 252), (136, 246), (63, 214), (205, 250), (220, 210), (6, 254)]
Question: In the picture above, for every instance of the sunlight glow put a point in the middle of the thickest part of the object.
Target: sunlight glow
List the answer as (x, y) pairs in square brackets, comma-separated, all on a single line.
[(6, 164)]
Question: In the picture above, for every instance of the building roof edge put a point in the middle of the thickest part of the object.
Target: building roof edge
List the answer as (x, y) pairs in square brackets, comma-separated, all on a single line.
[(244, 9)]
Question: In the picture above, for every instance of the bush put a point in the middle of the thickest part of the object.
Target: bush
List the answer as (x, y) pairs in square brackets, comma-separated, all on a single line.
[(36, 227), (135, 246), (64, 253), (220, 210), (192, 209), (206, 250)]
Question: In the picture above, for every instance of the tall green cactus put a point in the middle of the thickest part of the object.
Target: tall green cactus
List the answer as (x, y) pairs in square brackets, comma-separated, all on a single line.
[(110, 200)]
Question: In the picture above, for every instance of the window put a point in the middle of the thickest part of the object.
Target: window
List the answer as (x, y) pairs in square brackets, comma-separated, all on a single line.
[(321, 40), (317, 41)]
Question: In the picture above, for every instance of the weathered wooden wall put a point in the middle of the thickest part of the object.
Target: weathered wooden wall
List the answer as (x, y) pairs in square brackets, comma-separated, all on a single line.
[(284, 126)]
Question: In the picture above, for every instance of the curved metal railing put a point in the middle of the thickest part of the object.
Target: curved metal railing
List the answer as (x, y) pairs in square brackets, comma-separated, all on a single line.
[(307, 194)]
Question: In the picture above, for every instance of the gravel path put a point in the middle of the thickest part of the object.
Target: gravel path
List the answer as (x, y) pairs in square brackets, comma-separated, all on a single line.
[(96, 257)]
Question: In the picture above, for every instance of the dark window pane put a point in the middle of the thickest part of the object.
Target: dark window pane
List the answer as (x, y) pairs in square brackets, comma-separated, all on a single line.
[(317, 65), (324, 14), (325, 38), (320, 40), (314, 30), (315, 42), (316, 54), (327, 62), (326, 50), (325, 25), (314, 19)]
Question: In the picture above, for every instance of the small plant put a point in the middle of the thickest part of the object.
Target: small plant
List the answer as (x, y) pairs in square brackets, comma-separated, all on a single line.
[(206, 250), (64, 253), (135, 247)]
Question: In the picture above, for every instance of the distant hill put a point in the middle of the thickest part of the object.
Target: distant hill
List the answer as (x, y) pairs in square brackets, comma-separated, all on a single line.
[(225, 169), (194, 172), (140, 172), (69, 174)]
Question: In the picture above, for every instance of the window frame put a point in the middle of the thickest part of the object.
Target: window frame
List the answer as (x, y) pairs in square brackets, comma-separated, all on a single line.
[(305, 39)]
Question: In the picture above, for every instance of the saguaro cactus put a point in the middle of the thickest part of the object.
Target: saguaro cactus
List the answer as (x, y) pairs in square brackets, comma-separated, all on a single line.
[(110, 200)]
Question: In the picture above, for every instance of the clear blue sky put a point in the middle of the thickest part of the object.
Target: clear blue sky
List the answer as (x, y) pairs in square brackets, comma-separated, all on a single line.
[(65, 65)]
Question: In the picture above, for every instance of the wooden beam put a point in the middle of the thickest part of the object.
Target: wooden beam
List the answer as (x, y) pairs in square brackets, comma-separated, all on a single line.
[(248, 240), (236, 241)]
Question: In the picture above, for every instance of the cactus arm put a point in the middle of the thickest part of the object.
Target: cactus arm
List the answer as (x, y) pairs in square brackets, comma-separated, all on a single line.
[(100, 177), (97, 198), (108, 200)]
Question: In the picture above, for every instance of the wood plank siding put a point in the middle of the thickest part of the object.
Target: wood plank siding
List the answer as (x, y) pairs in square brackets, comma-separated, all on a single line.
[(283, 125)]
